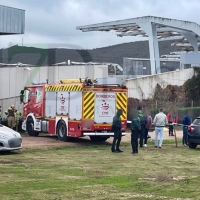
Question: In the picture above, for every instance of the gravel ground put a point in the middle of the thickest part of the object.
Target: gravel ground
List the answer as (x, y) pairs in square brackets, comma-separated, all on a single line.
[(46, 141)]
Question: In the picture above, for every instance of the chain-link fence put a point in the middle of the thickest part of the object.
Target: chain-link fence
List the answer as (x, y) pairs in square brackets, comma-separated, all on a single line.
[(153, 107)]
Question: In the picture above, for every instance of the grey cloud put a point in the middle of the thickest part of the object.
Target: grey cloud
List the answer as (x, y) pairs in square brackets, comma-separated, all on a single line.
[(55, 21)]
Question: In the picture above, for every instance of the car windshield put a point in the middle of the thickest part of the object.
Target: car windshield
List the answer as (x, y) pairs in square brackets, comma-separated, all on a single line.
[(196, 122)]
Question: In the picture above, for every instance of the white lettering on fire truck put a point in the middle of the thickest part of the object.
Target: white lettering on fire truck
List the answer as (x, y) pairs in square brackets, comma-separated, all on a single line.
[(105, 107), (105, 96)]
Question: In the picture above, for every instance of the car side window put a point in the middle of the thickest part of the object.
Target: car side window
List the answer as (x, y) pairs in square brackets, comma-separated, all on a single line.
[(38, 95)]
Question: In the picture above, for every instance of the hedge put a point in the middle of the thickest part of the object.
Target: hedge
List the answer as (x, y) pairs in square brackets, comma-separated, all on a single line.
[(181, 113)]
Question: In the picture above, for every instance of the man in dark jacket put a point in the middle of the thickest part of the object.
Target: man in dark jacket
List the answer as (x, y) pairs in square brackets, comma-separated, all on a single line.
[(116, 127), (143, 122), (135, 131)]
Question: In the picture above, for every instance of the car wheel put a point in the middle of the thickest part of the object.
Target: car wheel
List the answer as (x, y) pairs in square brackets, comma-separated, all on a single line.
[(30, 128), (61, 131), (98, 138), (192, 145)]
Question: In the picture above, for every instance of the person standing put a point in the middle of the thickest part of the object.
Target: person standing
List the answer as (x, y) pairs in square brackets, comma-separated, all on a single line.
[(147, 127), (135, 131), (143, 122), (172, 117), (186, 122), (11, 116), (116, 127), (17, 114), (160, 120)]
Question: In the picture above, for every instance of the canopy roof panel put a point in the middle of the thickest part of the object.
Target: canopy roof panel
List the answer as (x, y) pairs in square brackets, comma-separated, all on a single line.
[(174, 30)]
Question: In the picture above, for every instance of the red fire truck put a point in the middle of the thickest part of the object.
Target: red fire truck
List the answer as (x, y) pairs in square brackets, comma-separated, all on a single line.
[(73, 108)]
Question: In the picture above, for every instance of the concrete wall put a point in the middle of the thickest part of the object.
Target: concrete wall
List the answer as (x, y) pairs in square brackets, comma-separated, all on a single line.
[(13, 79), (143, 87)]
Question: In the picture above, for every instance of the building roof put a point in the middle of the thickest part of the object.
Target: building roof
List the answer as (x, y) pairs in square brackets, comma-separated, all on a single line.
[(178, 31), (167, 59)]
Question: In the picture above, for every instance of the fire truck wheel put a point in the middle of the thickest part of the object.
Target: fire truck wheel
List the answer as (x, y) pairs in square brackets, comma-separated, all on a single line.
[(30, 128), (98, 138), (61, 131)]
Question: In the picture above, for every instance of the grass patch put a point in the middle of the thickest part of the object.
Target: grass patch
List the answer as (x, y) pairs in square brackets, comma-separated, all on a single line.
[(93, 172)]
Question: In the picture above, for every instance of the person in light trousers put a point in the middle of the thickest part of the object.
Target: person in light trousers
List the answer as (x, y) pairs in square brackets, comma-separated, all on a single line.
[(160, 120)]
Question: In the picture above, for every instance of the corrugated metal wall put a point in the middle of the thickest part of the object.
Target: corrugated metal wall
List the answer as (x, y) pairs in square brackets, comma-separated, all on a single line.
[(12, 20)]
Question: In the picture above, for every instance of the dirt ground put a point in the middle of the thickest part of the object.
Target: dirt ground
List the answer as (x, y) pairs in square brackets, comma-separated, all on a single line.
[(46, 141)]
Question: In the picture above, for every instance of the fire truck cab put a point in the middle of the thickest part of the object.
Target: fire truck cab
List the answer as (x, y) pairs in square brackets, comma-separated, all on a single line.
[(73, 108)]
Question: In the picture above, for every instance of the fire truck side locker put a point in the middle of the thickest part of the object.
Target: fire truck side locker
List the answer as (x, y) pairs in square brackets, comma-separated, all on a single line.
[(75, 113)]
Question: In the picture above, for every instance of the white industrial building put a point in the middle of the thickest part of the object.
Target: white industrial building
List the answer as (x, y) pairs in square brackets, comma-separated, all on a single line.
[(14, 77)]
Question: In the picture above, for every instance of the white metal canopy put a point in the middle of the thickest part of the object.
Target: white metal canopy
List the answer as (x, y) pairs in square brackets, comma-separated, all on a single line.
[(184, 34)]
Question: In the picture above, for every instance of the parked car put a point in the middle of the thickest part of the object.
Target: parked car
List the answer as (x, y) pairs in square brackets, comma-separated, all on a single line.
[(9, 139), (194, 134)]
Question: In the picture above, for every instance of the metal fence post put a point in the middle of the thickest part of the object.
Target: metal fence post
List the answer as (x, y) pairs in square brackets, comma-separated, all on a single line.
[(192, 104)]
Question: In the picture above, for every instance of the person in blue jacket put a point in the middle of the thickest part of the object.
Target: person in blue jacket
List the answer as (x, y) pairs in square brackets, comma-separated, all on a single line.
[(186, 122)]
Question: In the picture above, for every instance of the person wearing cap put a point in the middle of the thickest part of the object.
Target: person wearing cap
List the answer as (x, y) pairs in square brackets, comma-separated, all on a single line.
[(116, 127), (135, 131), (11, 116), (143, 122)]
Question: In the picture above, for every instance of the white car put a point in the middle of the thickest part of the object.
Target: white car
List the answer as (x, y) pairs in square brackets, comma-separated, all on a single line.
[(9, 139)]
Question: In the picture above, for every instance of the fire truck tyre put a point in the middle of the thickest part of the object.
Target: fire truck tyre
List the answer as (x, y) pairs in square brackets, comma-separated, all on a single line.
[(98, 138), (61, 131), (30, 128)]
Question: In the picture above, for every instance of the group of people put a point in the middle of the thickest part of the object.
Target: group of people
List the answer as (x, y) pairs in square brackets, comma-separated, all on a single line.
[(140, 125), (13, 117)]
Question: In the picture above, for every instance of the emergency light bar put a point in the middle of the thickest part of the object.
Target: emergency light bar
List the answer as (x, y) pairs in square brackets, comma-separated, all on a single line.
[(38, 83), (80, 80)]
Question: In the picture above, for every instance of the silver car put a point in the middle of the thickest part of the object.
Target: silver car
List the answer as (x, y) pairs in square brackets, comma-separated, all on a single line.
[(9, 139)]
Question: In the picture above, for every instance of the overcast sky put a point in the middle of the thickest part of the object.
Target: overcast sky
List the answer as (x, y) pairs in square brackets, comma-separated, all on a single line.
[(53, 22)]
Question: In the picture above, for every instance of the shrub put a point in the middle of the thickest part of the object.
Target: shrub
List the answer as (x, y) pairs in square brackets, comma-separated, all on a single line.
[(134, 103), (182, 111)]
